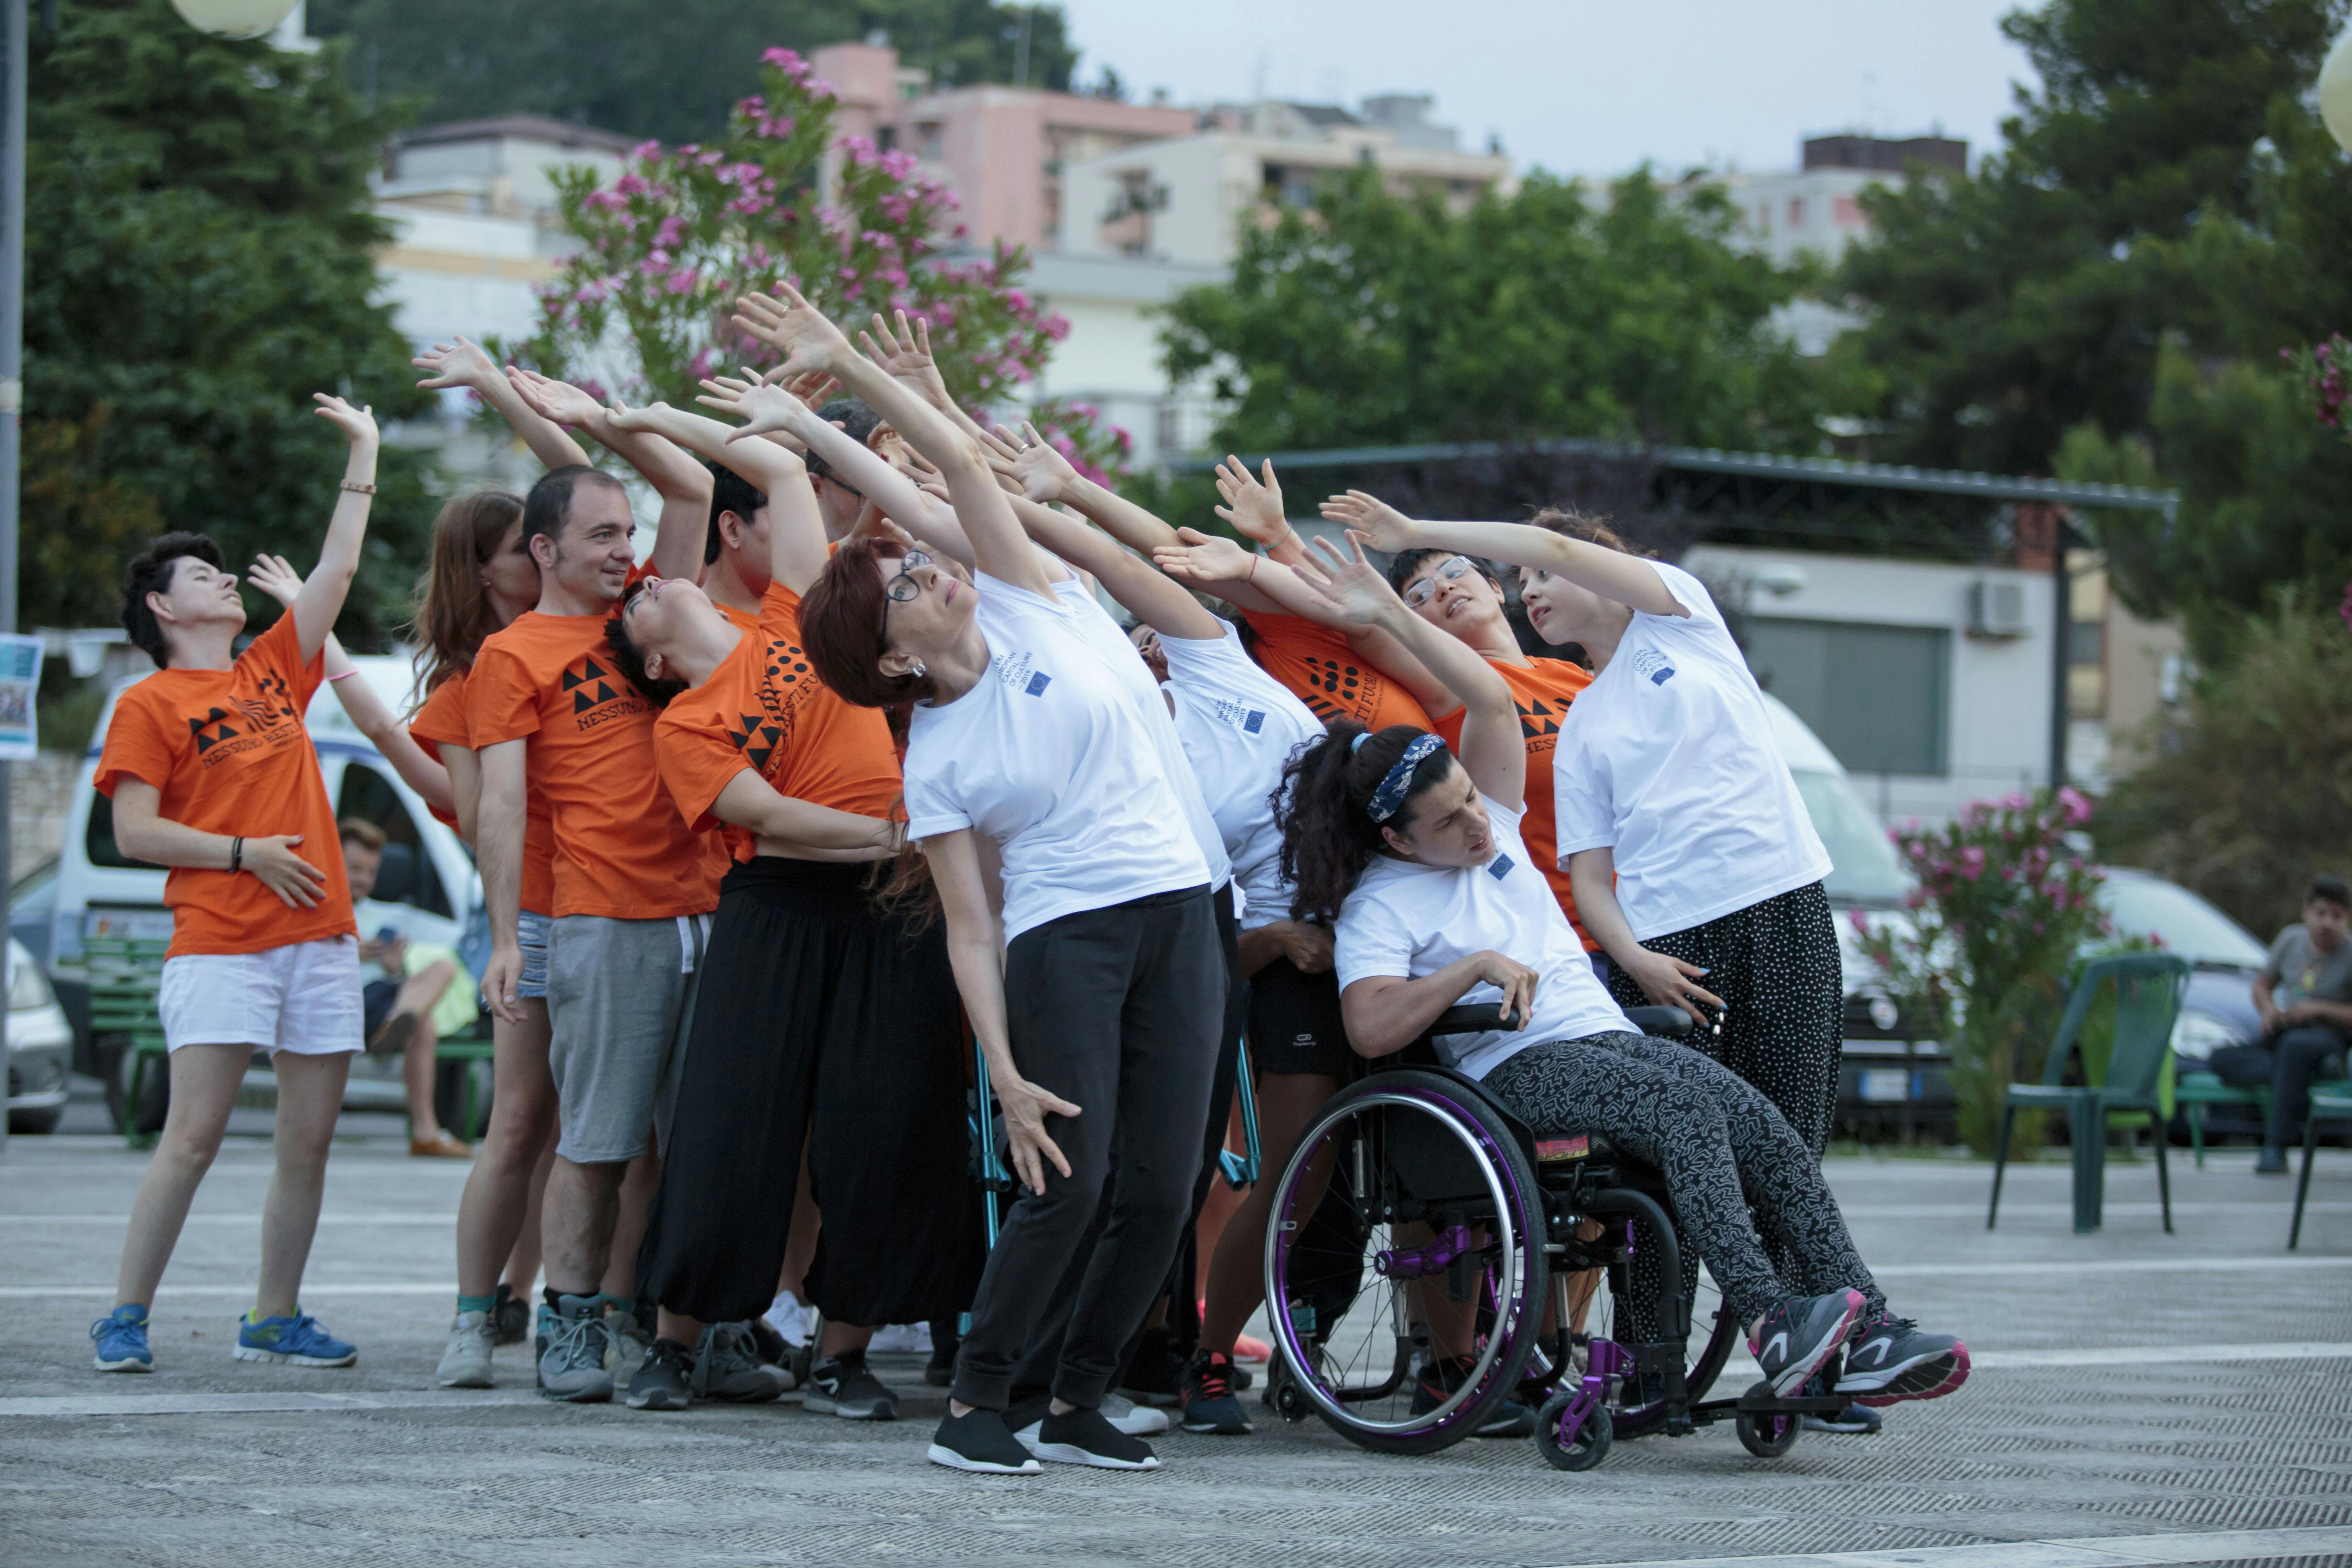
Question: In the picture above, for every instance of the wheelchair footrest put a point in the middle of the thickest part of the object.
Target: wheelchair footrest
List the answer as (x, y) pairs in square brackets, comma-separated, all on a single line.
[(1760, 1400)]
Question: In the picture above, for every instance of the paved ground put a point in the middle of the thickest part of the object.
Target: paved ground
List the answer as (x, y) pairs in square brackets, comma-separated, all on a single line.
[(2140, 1398)]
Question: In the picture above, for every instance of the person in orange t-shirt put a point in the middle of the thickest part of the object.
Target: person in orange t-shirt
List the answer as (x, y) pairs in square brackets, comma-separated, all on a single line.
[(211, 772), (632, 885), (825, 1023)]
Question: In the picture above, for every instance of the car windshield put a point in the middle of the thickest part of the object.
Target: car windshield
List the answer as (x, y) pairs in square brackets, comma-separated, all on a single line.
[(1863, 867), (2142, 905)]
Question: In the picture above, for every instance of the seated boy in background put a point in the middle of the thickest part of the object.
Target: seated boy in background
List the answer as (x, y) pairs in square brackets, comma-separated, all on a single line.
[(417, 1003)]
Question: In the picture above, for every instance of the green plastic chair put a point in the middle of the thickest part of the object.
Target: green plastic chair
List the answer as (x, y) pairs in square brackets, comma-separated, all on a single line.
[(2200, 1089), (2333, 1104), (2148, 988)]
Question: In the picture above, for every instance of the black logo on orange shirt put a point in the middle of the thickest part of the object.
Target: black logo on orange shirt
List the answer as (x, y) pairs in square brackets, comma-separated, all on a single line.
[(211, 729), (785, 682), (1357, 694), (1539, 724), (598, 695)]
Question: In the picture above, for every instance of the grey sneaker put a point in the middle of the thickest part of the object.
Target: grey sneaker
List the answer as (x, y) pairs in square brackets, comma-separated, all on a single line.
[(467, 1362), (840, 1385), (1798, 1335), (727, 1366), (628, 1344), (573, 1342), (664, 1379)]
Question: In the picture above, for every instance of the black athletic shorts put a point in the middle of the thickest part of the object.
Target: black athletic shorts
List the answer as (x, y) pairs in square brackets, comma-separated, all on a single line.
[(1294, 1023)]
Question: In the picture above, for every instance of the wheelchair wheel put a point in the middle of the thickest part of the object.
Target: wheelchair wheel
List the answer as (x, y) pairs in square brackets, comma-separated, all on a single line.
[(1767, 1437), (1443, 1202), (1592, 1438)]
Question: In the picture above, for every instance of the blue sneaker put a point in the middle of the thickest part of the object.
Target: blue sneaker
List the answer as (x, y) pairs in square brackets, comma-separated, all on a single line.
[(121, 1338), (297, 1341)]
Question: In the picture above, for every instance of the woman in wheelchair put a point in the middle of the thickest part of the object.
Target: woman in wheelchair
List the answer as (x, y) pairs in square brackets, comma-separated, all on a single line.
[(1416, 858)]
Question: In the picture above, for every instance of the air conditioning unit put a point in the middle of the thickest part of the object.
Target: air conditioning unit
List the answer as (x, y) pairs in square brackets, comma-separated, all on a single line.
[(1997, 609)]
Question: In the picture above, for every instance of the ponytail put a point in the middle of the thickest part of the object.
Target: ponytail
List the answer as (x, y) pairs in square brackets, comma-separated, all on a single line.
[(1324, 806)]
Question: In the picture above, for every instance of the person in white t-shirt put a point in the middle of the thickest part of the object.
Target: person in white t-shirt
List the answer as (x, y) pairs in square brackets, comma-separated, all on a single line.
[(1097, 999), (1418, 858), (1690, 852)]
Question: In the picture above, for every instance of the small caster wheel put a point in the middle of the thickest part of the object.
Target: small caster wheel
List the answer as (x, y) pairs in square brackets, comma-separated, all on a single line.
[(1289, 1403), (1592, 1438), (1767, 1437)]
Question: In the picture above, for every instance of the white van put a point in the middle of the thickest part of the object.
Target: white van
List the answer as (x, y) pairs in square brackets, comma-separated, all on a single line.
[(426, 892)]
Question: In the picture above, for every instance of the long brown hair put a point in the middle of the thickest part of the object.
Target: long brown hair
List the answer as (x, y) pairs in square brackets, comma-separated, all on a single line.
[(453, 612)]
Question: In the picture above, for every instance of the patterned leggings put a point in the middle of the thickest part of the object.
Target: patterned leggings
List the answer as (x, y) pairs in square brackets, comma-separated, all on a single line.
[(1722, 1147), (1777, 964)]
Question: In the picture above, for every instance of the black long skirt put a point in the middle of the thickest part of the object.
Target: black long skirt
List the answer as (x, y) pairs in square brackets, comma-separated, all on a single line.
[(820, 1017)]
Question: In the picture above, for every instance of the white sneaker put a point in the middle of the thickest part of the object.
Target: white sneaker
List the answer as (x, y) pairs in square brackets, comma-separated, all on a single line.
[(467, 1362), (1135, 1420), (792, 1317), (915, 1338)]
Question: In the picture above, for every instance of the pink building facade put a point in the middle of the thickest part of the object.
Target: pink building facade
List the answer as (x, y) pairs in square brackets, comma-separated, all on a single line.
[(1001, 149)]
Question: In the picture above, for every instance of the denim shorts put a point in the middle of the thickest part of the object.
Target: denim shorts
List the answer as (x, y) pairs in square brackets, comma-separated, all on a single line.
[(532, 931)]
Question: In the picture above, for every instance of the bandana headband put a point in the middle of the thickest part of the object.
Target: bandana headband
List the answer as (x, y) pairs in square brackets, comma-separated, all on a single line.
[(1390, 796)]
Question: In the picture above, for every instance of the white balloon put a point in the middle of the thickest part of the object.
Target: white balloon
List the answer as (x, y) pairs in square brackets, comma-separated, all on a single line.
[(234, 18), (2336, 91)]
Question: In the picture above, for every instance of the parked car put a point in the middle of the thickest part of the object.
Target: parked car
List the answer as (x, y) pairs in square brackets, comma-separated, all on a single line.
[(40, 1046), (2224, 958), (425, 891)]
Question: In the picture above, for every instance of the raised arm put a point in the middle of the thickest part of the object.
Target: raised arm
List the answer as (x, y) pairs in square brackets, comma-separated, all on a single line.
[(321, 601), (795, 526), (1611, 574), (683, 484), (1492, 749), (1147, 594), (276, 576), (465, 363), (809, 342)]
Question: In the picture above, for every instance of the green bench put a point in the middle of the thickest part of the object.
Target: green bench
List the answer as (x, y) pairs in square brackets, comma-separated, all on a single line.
[(2196, 1090)]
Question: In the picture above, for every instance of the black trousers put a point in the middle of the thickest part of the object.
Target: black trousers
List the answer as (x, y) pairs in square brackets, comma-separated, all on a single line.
[(1777, 964), (2283, 1063), (820, 1019), (1116, 1010)]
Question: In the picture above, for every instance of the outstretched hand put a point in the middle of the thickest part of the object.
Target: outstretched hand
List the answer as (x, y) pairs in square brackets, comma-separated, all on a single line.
[(1383, 527), (357, 425), (621, 417), (1032, 463), (906, 355), (1252, 506), (462, 363), (275, 576), (1353, 590), (793, 328), (764, 408), (558, 401), (1203, 558)]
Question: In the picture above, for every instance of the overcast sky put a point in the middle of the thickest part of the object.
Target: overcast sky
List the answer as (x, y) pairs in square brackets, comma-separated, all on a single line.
[(1584, 86)]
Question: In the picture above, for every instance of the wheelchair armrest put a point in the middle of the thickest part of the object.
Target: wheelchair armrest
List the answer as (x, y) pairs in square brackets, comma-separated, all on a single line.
[(1475, 1019), (1660, 1020)]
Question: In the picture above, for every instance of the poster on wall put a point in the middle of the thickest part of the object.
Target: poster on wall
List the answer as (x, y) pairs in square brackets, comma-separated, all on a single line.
[(20, 683)]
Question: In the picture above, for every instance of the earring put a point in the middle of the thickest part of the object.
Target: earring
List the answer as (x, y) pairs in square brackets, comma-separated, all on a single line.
[(916, 670)]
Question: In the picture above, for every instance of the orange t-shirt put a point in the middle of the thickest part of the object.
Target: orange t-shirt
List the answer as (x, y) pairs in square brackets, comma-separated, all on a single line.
[(622, 850), (1318, 667), (1541, 689), (741, 620), (764, 708), (228, 752), (446, 720)]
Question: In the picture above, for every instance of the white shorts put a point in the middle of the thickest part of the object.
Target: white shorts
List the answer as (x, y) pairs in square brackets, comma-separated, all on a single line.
[(303, 997)]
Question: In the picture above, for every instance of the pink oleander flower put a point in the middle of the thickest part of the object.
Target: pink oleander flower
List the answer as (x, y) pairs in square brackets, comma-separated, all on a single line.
[(2077, 805)]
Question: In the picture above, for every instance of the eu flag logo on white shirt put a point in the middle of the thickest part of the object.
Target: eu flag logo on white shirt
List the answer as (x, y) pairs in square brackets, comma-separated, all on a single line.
[(1037, 684), (1499, 866)]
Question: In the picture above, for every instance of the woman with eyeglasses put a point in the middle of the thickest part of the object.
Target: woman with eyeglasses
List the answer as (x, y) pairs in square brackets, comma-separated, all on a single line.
[(1098, 1006)]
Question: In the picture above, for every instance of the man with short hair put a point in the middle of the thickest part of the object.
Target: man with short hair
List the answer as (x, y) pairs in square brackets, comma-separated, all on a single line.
[(2304, 996), (633, 887), (398, 1011), (735, 556)]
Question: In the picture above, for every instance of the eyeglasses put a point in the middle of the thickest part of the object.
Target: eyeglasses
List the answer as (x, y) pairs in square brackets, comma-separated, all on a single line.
[(902, 588), (1448, 570)]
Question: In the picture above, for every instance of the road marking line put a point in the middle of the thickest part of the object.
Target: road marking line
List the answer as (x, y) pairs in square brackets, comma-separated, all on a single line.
[(101, 1404), (2106, 1266), (2076, 1551), (309, 1288), (1742, 1369)]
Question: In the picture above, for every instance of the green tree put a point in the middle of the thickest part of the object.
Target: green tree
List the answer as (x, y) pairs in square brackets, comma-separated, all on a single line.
[(1377, 318), (672, 71), (197, 265)]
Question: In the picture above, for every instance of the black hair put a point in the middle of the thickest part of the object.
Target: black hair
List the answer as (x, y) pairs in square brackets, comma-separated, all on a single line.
[(2329, 886), (856, 421), (630, 659), (729, 491), (548, 507), (1405, 563), (149, 571), (1328, 835)]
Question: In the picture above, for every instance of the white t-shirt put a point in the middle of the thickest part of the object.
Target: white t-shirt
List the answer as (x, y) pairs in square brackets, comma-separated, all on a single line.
[(1239, 726), (1094, 624), (1408, 920), (1048, 755), (1667, 758)]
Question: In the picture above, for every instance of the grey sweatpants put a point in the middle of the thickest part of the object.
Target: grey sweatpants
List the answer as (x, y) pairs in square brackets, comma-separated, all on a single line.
[(1722, 1146), (619, 995)]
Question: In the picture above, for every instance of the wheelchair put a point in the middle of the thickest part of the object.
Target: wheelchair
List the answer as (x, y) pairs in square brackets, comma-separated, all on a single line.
[(1436, 1202)]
